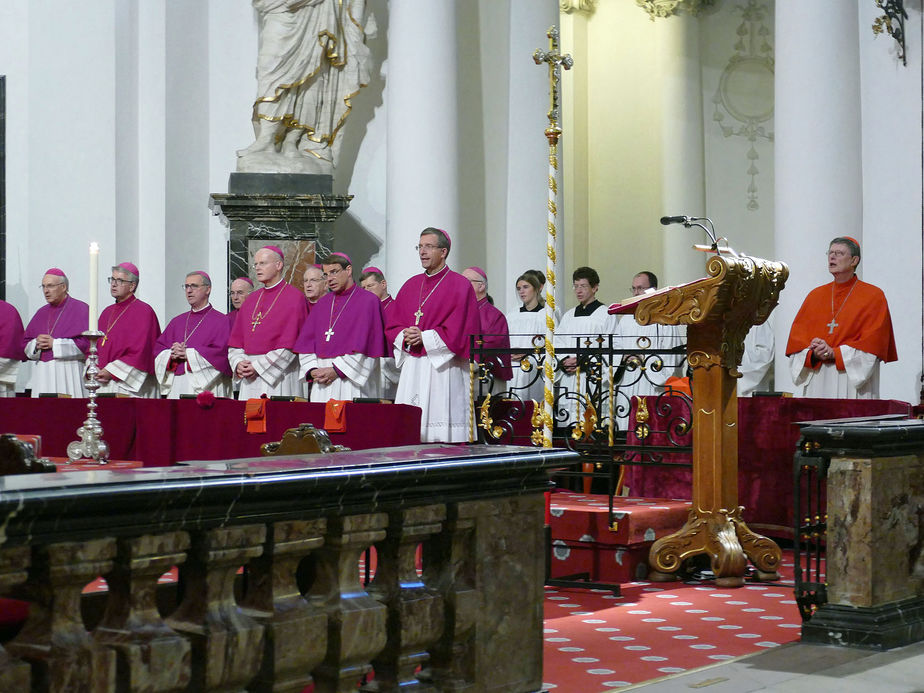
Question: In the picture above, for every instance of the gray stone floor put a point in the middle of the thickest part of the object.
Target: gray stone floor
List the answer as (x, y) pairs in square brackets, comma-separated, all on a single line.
[(804, 668)]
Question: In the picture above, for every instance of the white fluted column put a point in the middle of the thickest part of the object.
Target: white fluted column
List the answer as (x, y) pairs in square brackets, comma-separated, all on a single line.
[(423, 149), (818, 180), (527, 150), (682, 158)]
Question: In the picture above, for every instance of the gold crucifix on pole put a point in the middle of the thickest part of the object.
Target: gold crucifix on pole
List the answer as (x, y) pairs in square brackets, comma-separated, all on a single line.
[(555, 61)]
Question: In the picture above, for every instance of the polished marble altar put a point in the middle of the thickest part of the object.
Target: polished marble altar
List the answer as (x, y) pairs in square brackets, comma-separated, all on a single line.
[(299, 526)]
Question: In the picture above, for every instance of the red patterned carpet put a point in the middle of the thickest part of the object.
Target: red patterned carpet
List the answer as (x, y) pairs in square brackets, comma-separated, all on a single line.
[(595, 641)]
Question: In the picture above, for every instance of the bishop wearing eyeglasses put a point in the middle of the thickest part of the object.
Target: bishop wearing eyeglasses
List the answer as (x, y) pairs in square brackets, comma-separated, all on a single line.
[(52, 339), (343, 339), (126, 351), (435, 313), (192, 353), (263, 337)]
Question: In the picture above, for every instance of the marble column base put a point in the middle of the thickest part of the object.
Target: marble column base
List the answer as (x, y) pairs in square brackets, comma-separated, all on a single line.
[(877, 628)]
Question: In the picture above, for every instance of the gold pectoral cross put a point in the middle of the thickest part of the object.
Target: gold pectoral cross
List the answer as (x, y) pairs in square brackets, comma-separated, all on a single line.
[(417, 316), (103, 341), (256, 321), (831, 326), (328, 334)]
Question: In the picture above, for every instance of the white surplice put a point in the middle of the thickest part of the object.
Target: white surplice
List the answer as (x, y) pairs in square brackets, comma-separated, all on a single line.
[(63, 375), (129, 381), (600, 322), (756, 374), (277, 373), (200, 376), (524, 328), (859, 380), (359, 371), (9, 369), (644, 375), (438, 383)]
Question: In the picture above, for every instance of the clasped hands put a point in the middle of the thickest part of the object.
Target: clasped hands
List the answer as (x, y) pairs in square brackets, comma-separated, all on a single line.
[(821, 350), (178, 352), (44, 342), (413, 336)]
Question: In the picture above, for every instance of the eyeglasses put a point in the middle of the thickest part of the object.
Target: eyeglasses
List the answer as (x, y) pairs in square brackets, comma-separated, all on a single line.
[(233, 293), (426, 246), (117, 281), (334, 273), (50, 286), (192, 286), (313, 281), (258, 265)]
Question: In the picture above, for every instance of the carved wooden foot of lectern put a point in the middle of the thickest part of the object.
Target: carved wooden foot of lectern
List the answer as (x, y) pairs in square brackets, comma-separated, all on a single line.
[(718, 311)]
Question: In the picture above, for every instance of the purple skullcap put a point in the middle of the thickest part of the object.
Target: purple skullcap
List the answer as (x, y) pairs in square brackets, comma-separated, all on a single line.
[(373, 269), (129, 267), (478, 270), (316, 266), (202, 274), (275, 249), (344, 256), (448, 238), (55, 271), (246, 279)]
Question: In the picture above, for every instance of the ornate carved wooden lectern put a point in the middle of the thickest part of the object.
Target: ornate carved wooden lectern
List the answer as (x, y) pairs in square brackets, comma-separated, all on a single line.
[(718, 311)]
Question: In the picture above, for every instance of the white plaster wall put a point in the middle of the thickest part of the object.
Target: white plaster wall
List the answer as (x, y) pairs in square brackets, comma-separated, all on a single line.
[(891, 107)]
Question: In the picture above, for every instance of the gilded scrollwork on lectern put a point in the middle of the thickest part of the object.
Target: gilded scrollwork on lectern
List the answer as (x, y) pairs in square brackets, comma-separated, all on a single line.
[(718, 311)]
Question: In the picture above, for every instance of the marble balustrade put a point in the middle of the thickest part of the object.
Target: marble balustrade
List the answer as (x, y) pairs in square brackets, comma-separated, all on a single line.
[(299, 613)]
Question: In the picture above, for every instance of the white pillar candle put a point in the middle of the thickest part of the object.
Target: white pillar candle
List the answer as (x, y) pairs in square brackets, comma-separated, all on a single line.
[(94, 285)]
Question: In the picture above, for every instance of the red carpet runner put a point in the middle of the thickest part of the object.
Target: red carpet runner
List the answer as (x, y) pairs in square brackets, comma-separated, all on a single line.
[(597, 642)]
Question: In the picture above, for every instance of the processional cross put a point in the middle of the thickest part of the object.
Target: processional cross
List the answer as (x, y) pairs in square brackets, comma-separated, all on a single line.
[(555, 61)]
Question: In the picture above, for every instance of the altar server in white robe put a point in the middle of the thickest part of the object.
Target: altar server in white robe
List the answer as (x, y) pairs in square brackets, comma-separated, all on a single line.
[(53, 342), (644, 374), (343, 339), (756, 362), (430, 328), (587, 319), (527, 331), (192, 353)]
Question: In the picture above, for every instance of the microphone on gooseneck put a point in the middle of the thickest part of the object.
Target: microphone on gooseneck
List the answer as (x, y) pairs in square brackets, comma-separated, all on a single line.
[(667, 221)]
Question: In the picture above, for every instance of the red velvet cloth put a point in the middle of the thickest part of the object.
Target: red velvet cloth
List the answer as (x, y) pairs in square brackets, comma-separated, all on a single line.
[(767, 437), (162, 432)]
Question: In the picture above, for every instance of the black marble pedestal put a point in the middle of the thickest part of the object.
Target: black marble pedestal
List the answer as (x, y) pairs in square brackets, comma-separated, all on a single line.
[(283, 209)]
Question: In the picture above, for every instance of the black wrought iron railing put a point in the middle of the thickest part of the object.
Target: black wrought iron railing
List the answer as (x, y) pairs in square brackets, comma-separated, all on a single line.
[(810, 475), (612, 401)]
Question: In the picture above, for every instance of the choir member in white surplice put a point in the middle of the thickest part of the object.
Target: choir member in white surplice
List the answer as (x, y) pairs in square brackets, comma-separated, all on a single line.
[(260, 348), (192, 352), (756, 374), (343, 339), (52, 339), (435, 315), (587, 319), (373, 279), (527, 330), (644, 375)]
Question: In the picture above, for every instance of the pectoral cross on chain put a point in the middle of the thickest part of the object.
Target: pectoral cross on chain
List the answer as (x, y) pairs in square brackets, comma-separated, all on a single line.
[(417, 316), (328, 334), (256, 321), (831, 326), (556, 61)]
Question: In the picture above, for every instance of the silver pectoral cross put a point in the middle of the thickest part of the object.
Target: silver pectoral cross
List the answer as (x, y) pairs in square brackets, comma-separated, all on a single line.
[(328, 334), (831, 326), (417, 316)]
